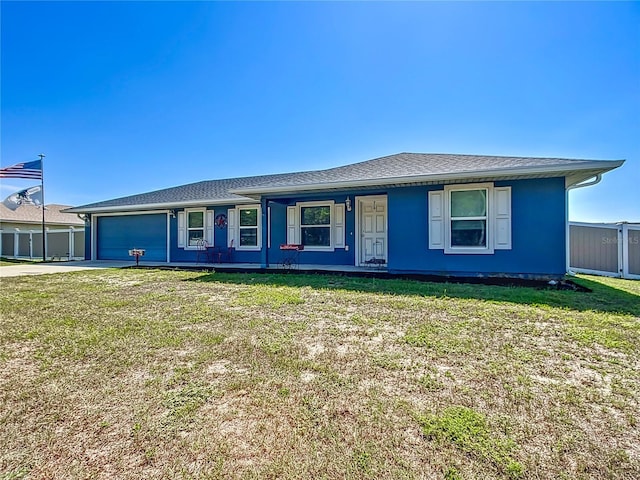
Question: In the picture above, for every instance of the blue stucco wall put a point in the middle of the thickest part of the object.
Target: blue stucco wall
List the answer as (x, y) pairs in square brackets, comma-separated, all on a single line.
[(340, 256), (219, 240), (537, 229), (118, 234), (278, 207)]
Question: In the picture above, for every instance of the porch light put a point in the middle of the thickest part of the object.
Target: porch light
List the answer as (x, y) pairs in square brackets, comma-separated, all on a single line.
[(347, 204)]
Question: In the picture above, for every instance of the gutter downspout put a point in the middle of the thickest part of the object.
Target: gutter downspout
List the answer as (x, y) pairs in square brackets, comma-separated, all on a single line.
[(589, 183)]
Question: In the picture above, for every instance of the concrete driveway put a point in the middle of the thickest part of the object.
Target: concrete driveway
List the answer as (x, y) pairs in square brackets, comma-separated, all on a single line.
[(58, 267)]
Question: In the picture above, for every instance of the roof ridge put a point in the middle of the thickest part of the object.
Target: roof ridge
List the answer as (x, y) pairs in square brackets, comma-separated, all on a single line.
[(405, 165), (529, 157)]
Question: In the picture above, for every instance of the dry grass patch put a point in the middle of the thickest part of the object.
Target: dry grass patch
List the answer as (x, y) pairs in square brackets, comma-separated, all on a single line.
[(157, 374)]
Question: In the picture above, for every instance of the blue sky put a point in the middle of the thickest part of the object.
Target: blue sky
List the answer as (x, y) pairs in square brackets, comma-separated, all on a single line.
[(126, 97)]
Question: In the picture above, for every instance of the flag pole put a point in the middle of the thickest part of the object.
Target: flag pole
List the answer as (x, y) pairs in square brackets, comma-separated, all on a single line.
[(44, 241)]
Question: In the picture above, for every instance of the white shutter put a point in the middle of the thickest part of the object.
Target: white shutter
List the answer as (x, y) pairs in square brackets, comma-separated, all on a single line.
[(293, 227), (338, 225), (182, 229), (436, 220), (502, 209), (232, 228), (208, 226)]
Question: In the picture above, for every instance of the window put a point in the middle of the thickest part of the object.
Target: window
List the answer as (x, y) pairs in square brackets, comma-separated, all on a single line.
[(248, 227), (244, 227), (315, 226), (319, 226), (195, 227), (470, 219)]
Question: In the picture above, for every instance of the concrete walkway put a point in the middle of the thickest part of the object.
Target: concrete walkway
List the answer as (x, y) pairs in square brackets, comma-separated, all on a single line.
[(21, 269)]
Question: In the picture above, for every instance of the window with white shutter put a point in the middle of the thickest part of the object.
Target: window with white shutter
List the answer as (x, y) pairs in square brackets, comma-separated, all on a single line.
[(194, 225), (319, 226), (470, 219)]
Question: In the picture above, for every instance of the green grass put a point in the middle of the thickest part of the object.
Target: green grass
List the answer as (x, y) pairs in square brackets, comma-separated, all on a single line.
[(7, 262), (167, 374), (468, 430)]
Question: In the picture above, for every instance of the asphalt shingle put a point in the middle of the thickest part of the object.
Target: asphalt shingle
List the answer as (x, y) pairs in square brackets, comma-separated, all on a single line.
[(53, 215), (396, 166)]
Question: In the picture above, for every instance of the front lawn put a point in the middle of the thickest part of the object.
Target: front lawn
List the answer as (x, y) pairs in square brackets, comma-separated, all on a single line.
[(7, 262), (165, 374)]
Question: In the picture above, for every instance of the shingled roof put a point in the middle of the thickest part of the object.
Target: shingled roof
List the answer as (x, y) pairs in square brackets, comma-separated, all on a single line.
[(398, 169), (53, 215)]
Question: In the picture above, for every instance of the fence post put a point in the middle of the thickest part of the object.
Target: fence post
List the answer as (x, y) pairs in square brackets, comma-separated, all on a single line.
[(71, 245), (620, 250), (623, 251)]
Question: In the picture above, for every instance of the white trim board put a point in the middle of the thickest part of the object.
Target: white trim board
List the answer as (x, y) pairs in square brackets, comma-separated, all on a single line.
[(595, 225), (160, 207)]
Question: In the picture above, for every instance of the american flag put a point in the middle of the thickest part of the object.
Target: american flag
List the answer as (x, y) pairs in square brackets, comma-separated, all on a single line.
[(32, 170)]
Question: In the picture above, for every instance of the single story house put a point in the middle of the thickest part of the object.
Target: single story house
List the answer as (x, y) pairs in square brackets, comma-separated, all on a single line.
[(21, 232), (408, 213)]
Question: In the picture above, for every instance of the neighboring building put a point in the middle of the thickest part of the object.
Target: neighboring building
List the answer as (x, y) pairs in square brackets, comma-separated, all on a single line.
[(458, 215), (21, 232)]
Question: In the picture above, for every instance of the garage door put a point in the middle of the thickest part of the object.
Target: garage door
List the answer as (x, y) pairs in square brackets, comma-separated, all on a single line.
[(119, 234)]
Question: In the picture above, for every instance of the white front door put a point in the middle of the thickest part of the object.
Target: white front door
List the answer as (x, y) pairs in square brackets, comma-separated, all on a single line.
[(372, 220)]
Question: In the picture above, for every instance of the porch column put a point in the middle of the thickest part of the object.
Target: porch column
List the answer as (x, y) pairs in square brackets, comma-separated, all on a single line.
[(169, 214), (264, 204), (94, 241)]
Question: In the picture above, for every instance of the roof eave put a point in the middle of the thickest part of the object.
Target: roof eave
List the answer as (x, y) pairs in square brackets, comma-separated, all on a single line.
[(579, 176), (159, 206), (39, 223), (559, 170)]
